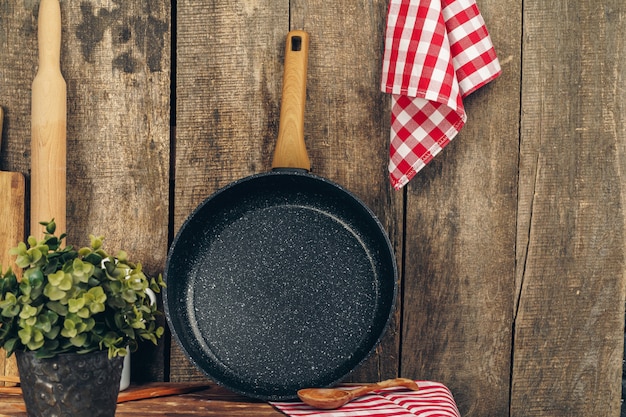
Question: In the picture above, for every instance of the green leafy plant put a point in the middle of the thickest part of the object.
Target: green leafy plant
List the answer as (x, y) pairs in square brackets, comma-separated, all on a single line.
[(71, 300)]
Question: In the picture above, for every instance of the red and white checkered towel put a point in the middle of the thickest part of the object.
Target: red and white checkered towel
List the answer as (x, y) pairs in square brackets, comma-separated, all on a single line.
[(433, 399), (436, 53)]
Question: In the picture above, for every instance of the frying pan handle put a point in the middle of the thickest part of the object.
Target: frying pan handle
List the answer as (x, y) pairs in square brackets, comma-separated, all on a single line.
[(290, 151)]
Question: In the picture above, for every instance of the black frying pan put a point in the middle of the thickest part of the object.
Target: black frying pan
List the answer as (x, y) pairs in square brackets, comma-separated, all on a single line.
[(281, 280)]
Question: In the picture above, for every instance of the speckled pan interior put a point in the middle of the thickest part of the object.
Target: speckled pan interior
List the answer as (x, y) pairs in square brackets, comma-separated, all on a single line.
[(279, 281)]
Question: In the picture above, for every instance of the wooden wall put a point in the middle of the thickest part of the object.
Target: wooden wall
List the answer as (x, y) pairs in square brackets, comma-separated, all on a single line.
[(510, 243)]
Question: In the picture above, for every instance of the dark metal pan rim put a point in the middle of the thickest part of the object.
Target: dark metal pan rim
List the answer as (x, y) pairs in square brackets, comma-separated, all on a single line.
[(244, 385)]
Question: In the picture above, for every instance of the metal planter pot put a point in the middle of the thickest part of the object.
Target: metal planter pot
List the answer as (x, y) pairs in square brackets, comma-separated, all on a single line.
[(76, 385)]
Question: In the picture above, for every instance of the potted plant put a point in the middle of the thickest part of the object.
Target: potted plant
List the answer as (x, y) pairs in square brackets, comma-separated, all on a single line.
[(70, 319)]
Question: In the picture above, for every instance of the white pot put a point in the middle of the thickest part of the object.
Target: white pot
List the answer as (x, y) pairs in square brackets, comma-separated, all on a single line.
[(125, 380)]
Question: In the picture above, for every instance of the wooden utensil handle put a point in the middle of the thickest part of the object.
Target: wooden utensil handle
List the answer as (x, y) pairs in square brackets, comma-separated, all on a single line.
[(139, 393), (159, 390), (49, 34), (290, 151), (48, 125), (389, 383)]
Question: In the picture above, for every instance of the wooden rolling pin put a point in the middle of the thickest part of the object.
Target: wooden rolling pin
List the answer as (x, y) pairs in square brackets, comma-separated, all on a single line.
[(48, 125)]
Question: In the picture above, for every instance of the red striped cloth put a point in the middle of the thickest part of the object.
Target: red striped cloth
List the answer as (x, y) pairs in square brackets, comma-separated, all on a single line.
[(433, 399), (436, 53)]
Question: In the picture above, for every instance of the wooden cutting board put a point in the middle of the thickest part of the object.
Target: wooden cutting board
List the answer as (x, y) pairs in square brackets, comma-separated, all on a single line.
[(12, 192)]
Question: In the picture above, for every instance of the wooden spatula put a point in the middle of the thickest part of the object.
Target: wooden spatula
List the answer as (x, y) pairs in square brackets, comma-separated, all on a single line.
[(12, 193)]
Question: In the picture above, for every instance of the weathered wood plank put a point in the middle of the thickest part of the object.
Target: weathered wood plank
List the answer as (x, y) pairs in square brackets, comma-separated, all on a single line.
[(115, 59), (18, 43), (460, 242), (570, 278), (347, 124), (229, 71), (215, 401), (473, 280), (18, 64)]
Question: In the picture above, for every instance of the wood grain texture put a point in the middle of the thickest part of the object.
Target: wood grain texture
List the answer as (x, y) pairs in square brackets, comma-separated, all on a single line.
[(18, 64), (12, 211), (17, 35), (48, 179), (510, 243), (215, 401), (570, 275), (116, 62), (460, 242), (290, 149), (13, 192)]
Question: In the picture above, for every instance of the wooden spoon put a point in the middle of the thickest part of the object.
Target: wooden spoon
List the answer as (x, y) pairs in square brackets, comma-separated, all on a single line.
[(331, 398)]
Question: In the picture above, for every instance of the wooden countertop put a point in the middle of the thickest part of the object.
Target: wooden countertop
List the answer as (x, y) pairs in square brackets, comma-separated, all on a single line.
[(213, 401)]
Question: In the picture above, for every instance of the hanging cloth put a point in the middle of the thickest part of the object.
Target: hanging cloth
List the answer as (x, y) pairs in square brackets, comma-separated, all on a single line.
[(436, 53)]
